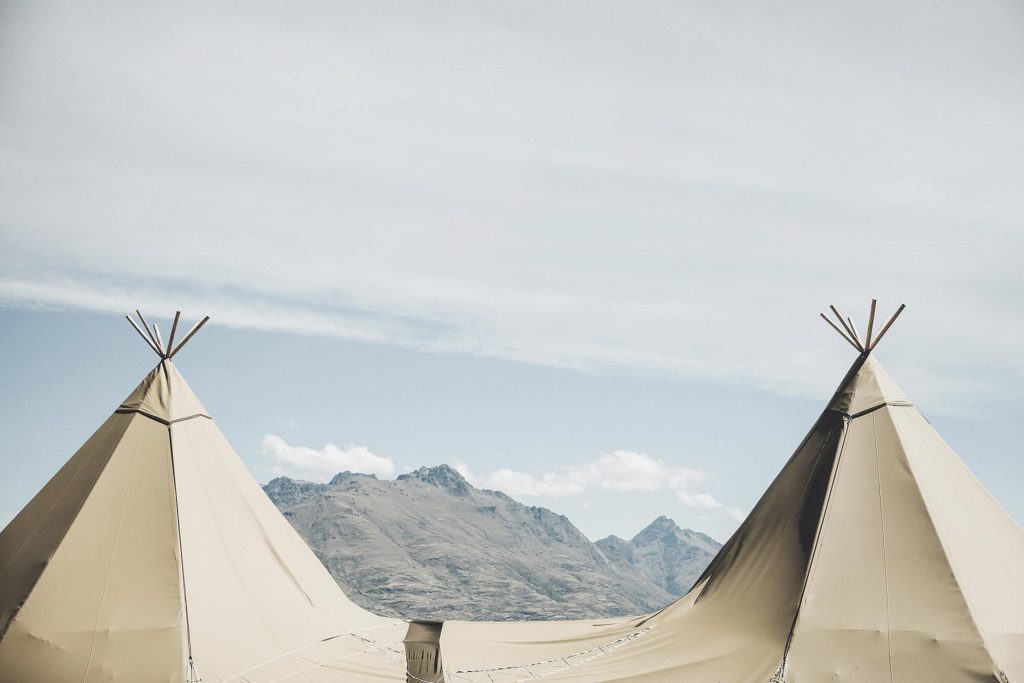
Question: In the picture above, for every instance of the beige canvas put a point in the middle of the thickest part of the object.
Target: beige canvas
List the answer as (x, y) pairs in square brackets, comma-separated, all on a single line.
[(154, 543), (875, 555)]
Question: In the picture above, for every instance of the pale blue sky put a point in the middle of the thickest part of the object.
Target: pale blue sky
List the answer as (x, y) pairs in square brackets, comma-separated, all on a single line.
[(586, 242)]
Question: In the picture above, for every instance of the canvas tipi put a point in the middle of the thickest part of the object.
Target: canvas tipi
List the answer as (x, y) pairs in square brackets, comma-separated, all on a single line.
[(874, 557), (153, 555)]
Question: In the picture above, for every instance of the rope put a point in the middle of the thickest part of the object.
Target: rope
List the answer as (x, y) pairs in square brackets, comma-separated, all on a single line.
[(511, 674)]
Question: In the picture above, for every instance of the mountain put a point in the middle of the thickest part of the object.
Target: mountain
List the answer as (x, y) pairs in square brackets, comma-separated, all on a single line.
[(428, 545), (669, 557)]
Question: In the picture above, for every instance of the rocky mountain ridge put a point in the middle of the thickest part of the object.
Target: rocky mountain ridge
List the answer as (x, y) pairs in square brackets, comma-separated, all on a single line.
[(428, 545)]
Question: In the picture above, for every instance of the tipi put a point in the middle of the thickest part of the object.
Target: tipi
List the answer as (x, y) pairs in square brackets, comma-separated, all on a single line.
[(874, 557), (153, 555)]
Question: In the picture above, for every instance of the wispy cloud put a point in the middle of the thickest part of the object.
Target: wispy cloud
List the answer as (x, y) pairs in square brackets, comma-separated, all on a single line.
[(301, 462), (684, 208), (620, 471)]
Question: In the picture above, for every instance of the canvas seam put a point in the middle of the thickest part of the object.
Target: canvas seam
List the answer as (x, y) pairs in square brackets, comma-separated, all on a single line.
[(808, 573), (885, 560), (113, 554), (124, 411), (181, 552)]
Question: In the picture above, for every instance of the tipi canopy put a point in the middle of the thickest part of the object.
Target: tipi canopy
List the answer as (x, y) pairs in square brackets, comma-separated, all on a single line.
[(153, 555), (874, 556)]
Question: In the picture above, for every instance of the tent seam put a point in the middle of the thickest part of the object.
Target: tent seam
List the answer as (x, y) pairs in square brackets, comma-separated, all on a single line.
[(124, 411), (113, 554), (817, 535), (885, 559), (181, 554)]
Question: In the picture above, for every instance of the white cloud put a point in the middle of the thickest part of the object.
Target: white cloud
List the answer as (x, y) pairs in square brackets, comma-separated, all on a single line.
[(324, 185), (302, 462), (621, 471), (737, 514)]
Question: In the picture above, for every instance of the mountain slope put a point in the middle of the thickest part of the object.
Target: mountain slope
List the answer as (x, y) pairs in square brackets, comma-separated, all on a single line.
[(430, 546), (669, 557)]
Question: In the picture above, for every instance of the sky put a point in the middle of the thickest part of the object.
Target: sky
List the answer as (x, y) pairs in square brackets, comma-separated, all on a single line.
[(577, 250)]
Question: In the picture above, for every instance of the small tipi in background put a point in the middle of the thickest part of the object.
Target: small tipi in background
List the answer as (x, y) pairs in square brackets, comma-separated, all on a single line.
[(153, 555)]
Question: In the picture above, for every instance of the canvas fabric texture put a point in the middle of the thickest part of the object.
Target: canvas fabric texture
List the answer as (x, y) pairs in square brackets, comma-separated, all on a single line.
[(875, 555), (154, 540)]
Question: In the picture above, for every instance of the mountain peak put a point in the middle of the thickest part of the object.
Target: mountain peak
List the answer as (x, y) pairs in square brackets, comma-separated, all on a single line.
[(288, 491), (443, 476), (341, 477), (670, 557), (660, 526)]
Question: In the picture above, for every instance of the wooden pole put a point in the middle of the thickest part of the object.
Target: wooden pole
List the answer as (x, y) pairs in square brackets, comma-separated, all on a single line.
[(144, 337), (842, 322), (840, 332), (174, 327), (145, 326), (887, 325), (871, 323), (159, 339), (191, 333), (855, 335)]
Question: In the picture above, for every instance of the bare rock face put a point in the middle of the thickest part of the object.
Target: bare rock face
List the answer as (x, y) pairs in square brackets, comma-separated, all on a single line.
[(670, 557), (430, 546)]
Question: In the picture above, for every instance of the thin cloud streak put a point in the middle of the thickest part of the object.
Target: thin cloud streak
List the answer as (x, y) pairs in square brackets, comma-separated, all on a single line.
[(671, 193)]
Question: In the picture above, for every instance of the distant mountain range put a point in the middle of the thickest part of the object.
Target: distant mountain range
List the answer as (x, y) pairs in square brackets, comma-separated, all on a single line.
[(428, 545)]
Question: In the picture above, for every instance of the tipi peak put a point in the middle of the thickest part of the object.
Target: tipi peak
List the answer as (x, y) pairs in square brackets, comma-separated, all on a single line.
[(155, 341), (164, 395), (849, 332), (866, 388)]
